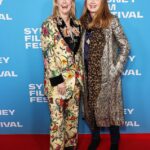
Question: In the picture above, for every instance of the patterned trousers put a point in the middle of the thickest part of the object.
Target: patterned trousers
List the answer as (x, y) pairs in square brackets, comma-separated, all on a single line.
[(64, 121)]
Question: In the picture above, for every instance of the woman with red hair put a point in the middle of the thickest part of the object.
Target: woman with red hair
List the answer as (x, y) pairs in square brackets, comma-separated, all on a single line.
[(105, 50)]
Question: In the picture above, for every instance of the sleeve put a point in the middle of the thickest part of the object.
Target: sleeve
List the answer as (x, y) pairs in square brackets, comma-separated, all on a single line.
[(52, 71), (78, 58), (79, 72), (123, 44)]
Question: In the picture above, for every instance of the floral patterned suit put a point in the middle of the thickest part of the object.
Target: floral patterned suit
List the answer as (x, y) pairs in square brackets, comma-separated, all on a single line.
[(62, 64)]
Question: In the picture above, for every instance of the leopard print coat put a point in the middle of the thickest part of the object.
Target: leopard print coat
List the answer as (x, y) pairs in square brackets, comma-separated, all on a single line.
[(103, 103)]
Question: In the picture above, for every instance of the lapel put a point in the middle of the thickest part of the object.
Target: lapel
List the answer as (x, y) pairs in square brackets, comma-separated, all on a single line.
[(74, 41), (83, 42)]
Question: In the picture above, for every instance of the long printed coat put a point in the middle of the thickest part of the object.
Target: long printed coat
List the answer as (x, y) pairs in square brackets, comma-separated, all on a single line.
[(61, 65), (108, 107)]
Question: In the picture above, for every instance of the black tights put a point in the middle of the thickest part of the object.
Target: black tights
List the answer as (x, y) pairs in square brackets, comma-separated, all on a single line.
[(114, 133)]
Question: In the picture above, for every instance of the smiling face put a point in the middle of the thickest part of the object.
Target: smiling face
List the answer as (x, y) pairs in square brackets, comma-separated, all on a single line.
[(64, 6), (93, 5), (99, 11)]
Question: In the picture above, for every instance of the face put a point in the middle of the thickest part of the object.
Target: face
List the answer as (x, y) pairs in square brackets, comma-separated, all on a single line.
[(93, 5), (64, 6)]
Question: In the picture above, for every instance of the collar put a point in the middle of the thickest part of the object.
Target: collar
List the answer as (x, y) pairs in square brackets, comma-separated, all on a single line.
[(62, 23)]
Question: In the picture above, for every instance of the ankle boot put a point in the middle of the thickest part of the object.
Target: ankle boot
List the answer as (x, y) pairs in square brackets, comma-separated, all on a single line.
[(114, 147), (95, 140), (70, 148)]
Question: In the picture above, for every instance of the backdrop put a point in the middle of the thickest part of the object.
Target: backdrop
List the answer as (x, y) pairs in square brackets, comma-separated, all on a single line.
[(23, 107)]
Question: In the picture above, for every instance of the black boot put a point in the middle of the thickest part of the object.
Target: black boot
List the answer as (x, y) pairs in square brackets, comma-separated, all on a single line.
[(95, 139), (115, 137), (114, 147), (70, 148)]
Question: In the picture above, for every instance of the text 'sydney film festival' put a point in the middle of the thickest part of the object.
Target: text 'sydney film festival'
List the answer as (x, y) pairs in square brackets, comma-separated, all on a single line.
[(23, 107)]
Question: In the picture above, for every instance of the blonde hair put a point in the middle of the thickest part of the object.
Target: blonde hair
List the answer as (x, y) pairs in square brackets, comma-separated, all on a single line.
[(102, 18), (56, 12)]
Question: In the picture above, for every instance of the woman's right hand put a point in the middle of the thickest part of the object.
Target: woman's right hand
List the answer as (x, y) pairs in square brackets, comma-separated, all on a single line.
[(61, 88)]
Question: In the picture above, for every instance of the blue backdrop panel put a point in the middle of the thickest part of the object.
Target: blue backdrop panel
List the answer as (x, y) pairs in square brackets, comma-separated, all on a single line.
[(23, 107)]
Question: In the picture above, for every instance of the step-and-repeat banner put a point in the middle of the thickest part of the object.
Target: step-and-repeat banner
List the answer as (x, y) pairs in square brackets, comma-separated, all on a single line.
[(23, 107)]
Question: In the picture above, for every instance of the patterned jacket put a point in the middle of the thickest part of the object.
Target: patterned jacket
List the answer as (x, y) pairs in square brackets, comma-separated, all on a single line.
[(62, 62)]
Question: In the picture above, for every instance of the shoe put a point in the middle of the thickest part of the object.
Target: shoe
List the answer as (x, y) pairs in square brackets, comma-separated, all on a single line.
[(114, 147), (70, 148), (94, 143)]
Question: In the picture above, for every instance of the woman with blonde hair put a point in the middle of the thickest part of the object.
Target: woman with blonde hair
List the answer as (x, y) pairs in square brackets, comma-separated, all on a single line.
[(105, 50), (60, 38)]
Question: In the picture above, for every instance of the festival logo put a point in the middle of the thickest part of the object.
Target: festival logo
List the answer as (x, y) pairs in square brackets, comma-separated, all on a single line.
[(7, 73), (36, 93), (4, 16), (129, 14), (32, 38)]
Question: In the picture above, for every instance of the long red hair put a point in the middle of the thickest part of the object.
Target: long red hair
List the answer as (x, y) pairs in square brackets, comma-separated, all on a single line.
[(102, 18)]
